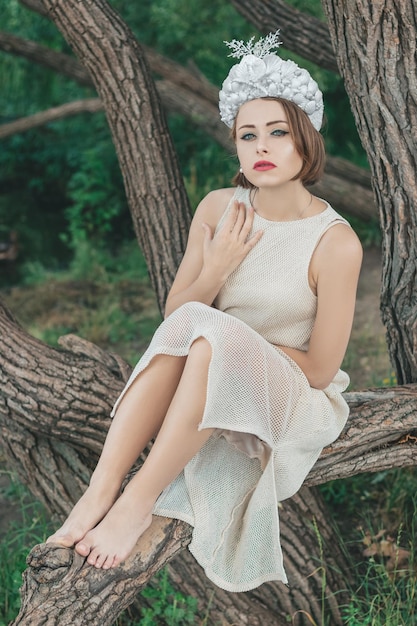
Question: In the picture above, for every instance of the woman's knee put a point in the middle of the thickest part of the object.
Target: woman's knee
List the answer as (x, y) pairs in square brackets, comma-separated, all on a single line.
[(201, 350)]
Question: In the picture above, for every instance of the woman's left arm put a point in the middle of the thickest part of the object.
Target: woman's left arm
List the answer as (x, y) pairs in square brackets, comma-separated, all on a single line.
[(334, 273)]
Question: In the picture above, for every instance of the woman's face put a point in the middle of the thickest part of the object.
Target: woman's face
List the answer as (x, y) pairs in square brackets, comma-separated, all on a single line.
[(264, 145)]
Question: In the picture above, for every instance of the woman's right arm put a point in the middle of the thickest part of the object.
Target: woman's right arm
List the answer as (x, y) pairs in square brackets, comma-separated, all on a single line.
[(211, 257)]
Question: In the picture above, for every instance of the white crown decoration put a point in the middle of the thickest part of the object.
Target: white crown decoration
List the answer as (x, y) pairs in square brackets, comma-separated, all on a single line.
[(260, 49), (261, 73)]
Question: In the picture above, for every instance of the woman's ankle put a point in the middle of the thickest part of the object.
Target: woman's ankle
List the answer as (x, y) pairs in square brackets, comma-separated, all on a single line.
[(105, 481)]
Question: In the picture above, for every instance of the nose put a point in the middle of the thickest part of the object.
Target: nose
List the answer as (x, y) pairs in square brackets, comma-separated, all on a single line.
[(261, 146)]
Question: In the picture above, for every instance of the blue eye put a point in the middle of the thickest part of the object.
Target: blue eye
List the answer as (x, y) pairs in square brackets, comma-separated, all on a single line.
[(247, 136), (278, 132)]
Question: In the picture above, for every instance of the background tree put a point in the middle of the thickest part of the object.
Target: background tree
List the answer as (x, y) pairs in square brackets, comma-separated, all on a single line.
[(58, 433)]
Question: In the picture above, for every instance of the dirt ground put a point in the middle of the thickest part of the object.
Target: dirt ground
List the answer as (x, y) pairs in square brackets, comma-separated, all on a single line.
[(367, 360)]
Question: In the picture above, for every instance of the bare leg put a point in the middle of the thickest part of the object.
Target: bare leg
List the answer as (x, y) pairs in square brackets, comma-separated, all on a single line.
[(177, 442), (137, 421)]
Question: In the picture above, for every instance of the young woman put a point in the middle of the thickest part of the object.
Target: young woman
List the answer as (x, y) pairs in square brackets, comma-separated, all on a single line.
[(240, 387)]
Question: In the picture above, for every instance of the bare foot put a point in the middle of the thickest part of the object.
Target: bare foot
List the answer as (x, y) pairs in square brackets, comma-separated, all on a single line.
[(111, 542), (89, 510)]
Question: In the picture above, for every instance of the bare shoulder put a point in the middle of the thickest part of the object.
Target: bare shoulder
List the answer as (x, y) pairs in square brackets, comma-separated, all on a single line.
[(338, 255), (341, 242), (213, 205)]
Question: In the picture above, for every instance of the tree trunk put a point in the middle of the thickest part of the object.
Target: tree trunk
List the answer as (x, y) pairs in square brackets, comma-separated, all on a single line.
[(54, 404), (375, 44)]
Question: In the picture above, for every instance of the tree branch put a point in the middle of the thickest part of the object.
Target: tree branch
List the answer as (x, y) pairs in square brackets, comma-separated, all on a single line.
[(96, 593), (36, 6), (382, 423), (91, 105), (52, 59), (301, 33)]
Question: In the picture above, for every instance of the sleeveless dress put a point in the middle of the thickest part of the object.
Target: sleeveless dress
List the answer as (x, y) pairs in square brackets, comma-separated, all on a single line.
[(271, 426)]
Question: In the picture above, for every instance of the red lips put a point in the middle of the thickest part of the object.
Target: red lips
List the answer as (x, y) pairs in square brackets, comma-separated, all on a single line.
[(263, 166)]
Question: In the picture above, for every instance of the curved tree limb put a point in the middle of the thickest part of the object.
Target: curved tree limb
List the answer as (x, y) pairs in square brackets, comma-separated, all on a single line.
[(36, 6), (301, 33), (23, 124)]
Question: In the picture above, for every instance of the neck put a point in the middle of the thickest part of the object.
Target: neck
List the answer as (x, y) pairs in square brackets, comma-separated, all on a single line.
[(283, 204)]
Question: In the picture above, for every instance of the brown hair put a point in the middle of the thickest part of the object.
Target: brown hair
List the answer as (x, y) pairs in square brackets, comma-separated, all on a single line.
[(307, 140)]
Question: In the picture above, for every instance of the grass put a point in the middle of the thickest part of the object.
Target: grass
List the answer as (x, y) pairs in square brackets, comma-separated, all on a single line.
[(167, 607), (387, 593)]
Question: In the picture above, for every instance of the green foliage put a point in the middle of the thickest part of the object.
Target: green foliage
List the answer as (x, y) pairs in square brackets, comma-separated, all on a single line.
[(98, 204), (28, 87), (312, 7), (389, 492), (387, 593), (383, 599), (377, 515), (169, 607)]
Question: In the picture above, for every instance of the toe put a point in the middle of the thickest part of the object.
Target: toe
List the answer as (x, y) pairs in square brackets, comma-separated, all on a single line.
[(92, 557), (109, 562), (100, 559), (83, 548)]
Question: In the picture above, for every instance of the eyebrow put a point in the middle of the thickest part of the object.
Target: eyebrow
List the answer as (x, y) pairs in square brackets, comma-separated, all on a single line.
[(267, 124)]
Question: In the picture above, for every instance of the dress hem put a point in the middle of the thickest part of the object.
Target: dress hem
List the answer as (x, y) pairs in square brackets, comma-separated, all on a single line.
[(218, 581)]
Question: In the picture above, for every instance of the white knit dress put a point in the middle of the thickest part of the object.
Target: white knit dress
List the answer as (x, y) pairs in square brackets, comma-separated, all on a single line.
[(270, 424)]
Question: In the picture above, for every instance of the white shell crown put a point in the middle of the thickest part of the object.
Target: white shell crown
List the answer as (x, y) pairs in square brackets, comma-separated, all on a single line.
[(260, 74)]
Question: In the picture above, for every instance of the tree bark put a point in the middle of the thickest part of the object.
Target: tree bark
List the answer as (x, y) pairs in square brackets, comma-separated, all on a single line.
[(375, 43)]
